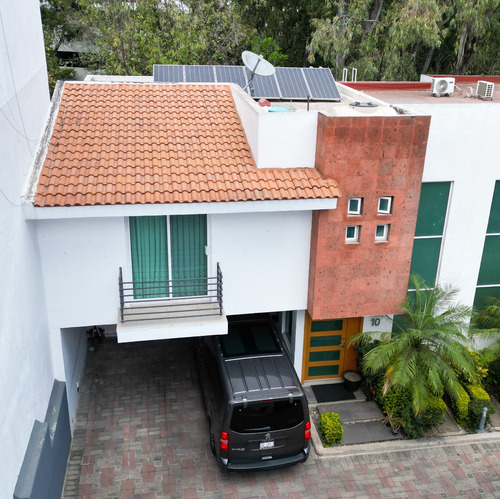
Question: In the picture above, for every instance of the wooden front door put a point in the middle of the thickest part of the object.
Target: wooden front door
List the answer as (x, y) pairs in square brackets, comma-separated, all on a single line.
[(326, 354)]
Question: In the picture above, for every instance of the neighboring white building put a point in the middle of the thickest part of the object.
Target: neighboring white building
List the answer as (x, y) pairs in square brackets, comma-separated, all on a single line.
[(26, 375)]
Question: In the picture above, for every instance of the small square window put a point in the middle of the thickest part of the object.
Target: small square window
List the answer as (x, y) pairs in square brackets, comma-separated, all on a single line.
[(352, 233), (354, 206), (384, 205), (382, 232)]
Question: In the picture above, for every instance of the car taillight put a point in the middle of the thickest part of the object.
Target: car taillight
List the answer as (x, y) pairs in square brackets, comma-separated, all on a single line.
[(224, 442), (307, 431)]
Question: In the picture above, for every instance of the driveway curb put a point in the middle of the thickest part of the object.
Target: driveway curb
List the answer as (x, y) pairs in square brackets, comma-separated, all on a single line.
[(398, 445)]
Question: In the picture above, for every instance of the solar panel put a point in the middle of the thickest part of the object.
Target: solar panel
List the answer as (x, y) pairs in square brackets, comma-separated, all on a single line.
[(168, 73), (231, 74), (199, 74), (292, 83), (321, 83), (286, 83), (264, 86)]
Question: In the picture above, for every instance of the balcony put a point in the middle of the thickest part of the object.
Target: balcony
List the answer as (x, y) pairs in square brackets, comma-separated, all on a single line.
[(151, 310)]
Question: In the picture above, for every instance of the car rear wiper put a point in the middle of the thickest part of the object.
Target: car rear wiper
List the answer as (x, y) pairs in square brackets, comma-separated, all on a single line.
[(264, 428)]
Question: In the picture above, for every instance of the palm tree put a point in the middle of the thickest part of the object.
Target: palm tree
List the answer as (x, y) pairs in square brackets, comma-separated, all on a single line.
[(487, 326), (432, 343)]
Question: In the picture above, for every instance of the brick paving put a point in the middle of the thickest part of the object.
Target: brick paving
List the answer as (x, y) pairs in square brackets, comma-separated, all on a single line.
[(141, 433)]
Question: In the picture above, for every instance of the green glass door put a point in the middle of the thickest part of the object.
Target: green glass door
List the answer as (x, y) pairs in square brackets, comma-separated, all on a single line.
[(167, 249)]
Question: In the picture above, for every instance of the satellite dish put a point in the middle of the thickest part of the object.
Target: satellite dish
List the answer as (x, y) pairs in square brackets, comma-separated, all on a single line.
[(257, 65)]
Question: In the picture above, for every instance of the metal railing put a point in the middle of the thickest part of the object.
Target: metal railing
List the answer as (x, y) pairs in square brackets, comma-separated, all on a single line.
[(173, 299)]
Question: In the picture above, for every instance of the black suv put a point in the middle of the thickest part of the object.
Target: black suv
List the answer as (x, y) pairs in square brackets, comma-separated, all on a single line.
[(256, 407)]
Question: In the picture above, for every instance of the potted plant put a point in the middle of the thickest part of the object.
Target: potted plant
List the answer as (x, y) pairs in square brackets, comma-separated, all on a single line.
[(395, 422)]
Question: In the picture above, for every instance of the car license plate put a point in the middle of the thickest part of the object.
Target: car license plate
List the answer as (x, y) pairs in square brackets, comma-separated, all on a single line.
[(267, 445)]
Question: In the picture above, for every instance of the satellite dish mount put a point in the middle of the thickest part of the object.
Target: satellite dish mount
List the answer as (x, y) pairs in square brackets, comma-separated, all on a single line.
[(257, 65)]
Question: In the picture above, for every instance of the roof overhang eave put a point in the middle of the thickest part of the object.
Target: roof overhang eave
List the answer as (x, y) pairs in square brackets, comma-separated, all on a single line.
[(32, 212)]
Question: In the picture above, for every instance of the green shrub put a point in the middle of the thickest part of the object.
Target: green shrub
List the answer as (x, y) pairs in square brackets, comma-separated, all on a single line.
[(415, 425), (477, 392), (412, 427), (476, 412), (394, 401), (492, 379), (460, 407), (433, 413), (370, 380), (479, 398), (330, 428)]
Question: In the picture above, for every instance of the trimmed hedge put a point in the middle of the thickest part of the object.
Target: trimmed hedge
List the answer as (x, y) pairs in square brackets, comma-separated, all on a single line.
[(330, 428), (479, 399), (460, 407)]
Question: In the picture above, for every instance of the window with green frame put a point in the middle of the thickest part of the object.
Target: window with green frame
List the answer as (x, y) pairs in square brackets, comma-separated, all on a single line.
[(168, 255), (488, 281), (429, 231), (431, 218)]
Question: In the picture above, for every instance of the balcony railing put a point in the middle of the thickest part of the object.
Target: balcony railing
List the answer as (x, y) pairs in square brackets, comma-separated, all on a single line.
[(174, 299)]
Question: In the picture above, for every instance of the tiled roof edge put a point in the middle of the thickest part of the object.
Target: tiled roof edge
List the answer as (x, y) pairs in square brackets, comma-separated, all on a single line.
[(43, 148)]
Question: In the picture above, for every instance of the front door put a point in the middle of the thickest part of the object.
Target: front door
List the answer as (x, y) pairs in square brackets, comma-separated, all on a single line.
[(326, 354)]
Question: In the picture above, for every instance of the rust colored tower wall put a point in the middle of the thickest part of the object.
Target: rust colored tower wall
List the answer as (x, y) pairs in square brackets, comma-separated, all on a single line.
[(370, 157)]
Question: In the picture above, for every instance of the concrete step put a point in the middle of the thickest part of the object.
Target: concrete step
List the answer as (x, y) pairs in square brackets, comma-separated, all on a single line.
[(353, 411)]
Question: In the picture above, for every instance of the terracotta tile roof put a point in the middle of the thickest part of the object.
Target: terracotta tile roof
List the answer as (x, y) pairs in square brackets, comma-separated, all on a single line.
[(150, 143)]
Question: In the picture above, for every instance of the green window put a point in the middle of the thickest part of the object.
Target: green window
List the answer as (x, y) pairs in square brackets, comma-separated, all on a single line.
[(320, 326), (432, 209), (167, 249), (488, 281), (323, 371), (494, 221), (429, 230), (425, 259)]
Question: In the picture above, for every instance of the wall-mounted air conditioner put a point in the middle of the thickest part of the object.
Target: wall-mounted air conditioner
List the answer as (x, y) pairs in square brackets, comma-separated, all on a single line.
[(485, 90), (442, 86)]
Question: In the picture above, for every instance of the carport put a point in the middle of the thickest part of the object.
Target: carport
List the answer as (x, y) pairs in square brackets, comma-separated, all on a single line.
[(141, 427)]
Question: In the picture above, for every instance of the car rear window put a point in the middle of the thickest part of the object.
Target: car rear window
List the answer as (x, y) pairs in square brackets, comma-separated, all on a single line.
[(249, 339), (267, 415)]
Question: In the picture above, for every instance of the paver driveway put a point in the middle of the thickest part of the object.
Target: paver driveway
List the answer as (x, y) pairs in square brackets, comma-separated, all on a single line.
[(141, 433)]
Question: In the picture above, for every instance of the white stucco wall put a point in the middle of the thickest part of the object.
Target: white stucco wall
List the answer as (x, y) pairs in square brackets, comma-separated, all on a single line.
[(464, 148), (278, 140), (25, 362), (80, 261), (264, 259)]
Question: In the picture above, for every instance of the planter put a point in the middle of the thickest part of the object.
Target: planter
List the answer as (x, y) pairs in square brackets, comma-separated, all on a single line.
[(352, 380)]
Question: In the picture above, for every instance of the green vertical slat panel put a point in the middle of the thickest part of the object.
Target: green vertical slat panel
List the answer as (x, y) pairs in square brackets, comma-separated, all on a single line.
[(425, 259), (188, 236), (149, 249), (494, 221), (432, 208), (489, 272)]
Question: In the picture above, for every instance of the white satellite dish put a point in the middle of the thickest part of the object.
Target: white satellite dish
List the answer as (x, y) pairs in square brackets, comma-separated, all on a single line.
[(257, 65)]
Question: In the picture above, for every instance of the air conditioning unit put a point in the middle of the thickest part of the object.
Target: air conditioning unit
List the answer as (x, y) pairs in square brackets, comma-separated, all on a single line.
[(442, 86), (485, 90)]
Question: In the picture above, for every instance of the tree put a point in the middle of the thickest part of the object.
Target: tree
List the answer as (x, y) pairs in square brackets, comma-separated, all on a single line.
[(424, 356), (132, 36), (400, 39), (59, 27)]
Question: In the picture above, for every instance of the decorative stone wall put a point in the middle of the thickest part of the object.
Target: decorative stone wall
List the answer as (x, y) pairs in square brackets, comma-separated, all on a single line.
[(370, 157)]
